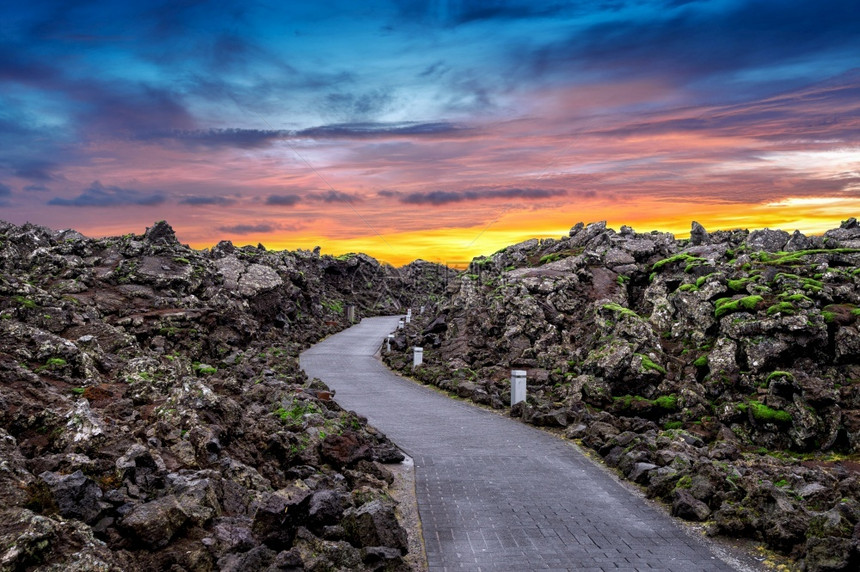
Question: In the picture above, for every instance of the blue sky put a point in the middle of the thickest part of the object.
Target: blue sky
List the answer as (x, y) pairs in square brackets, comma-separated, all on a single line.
[(344, 123)]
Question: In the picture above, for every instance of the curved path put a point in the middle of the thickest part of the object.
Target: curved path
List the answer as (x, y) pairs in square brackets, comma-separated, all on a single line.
[(493, 493)]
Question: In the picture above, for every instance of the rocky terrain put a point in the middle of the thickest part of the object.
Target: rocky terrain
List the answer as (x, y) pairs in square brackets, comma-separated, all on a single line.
[(721, 373), (153, 415)]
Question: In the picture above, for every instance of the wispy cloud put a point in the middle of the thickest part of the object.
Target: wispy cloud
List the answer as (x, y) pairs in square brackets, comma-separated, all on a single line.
[(333, 196), (386, 130), (283, 200), (5, 190), (248, 228), (447, 197), (98, 195), (207, 201)]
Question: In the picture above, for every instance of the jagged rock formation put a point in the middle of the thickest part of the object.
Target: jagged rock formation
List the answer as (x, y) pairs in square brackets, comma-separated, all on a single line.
[(722, 373), (153, 415)]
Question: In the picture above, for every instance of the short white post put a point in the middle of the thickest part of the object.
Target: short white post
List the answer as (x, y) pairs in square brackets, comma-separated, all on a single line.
[(408, 312), (400, 324), (417, 356), (422, 310), (518, 386), (350, 313), (408, 318), (388, 342)]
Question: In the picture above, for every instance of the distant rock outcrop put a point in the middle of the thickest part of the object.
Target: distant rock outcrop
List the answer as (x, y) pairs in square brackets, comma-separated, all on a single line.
[(722, 373)]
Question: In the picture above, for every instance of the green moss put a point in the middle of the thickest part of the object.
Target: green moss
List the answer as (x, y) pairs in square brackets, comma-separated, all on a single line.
[(794, 258), (669, 402), (739, 284), (547, 258), (622, 280), (700, 281), (701, 361), (180, 260), (688, 288), (762, 412), (776, 374), (682, 257), (649, 364), (78, 390), (617, 308), (335, 306), (829, 317), (295, 412), (673, 425), (781, 308), (25, 302), (203, 368), (795, 297), (724, 307)]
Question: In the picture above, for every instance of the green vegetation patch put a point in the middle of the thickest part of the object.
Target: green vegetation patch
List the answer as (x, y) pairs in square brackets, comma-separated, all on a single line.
[(689, 259), (795, 258), (672, 425), (779, 374), (726, 306), (293, 414), (25, 302), (739, 284), (335, 306), (701, 361), (668, 402), (619, 309), (781, 308), (762, 412), (203, 368), (688, 288), (650, 364)]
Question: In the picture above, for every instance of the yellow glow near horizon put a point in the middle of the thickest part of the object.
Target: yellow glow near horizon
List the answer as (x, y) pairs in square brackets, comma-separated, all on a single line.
[(456, 247)]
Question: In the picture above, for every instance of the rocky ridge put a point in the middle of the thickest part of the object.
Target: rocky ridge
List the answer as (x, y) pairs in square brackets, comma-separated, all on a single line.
[(721, 373), (153, 414)]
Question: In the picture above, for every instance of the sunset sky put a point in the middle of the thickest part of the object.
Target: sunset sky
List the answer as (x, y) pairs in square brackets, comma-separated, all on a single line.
[(427, 129)]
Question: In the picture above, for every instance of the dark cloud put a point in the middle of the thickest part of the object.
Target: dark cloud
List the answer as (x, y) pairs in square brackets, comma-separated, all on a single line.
[(5, 190), (447, 197), (35, 170), (241, 138), (699, 47), (205, 201), (36, 188), (283, 200), (98, 195), (387, 193), (440, 129), (248, 228), (333, 196)]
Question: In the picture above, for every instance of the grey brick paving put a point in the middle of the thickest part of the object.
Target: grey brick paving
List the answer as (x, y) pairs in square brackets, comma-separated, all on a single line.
[(495, 494)]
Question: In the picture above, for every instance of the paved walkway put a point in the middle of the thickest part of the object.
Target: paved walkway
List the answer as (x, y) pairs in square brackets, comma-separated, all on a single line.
[(493, 493)]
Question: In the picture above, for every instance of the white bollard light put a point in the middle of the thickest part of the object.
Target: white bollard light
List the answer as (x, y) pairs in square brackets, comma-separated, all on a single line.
[(400, 324), (417, 356), (408, 318), (518, 386), (388, 342)]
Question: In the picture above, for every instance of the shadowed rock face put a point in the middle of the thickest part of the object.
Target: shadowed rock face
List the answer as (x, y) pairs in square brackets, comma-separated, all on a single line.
[(153, 415), (722, 373)]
